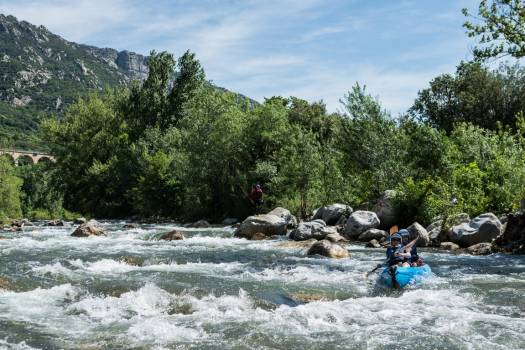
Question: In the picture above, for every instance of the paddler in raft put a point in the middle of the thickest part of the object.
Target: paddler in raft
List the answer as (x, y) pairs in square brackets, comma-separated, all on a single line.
[(414, 259), (395, 253), (402, 252)]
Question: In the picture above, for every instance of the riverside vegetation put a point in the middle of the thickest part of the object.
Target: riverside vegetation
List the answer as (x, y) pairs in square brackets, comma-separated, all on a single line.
[(174, 146)]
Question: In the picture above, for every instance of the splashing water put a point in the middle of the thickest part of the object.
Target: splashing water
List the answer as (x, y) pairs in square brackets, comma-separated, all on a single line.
[(129, 290)]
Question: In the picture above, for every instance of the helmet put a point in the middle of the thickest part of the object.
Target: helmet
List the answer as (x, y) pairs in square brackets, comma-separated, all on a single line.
[(404, 232), (395, 236)]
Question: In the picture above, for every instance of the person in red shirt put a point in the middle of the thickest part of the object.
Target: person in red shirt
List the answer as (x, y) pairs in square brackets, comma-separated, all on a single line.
[(256, 196)]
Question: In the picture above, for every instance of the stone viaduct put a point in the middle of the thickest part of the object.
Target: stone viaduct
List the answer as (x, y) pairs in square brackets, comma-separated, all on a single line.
[(26, 157)]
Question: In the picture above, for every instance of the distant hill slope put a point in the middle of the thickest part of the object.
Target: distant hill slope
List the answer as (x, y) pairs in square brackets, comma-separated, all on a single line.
[(41, 73)]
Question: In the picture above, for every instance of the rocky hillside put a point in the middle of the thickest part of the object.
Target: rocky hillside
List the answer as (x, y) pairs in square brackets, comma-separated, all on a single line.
[(40, 69), (40, 73)]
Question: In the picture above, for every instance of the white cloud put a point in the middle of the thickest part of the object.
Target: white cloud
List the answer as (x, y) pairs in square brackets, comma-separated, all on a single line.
[(274, 47)]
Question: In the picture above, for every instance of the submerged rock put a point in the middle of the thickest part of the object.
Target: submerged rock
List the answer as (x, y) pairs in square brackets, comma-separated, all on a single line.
[(360, 221), (199, 224), (172, 236), (130, 225), (130, 260), (297, 244), (90, 228), (6, 284), (328, 249), (331, 214), (373, 244), (372, 234), (449, 246), (55, 223), (482, 229), (308, 230), (480, 249)]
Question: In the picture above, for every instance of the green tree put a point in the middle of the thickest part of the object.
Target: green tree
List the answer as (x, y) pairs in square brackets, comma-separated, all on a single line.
[(499, 27), (10, 184), (475, 95)]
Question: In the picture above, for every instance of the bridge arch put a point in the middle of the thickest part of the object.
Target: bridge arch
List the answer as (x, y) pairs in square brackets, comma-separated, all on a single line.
[(25, 159)]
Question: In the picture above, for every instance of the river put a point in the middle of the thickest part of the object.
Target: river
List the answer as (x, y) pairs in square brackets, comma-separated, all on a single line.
[(212, 291)]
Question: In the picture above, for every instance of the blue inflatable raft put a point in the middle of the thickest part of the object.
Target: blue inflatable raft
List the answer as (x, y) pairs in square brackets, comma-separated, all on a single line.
[(400, 277)]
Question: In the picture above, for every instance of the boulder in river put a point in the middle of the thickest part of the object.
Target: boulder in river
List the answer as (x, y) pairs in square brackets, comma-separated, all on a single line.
[(172, 236), (199, 224), (480, 249), (130, 225), (275, 223), (513, 239), (416, 230), (449, 246), (482, 229), (360, 221), (335, 237), (372, 234), (373, 244), (435, 230), (328, 249), (56, 222), (332, 213), (90, 228), (308, 230), (384, 208), (291, 221)]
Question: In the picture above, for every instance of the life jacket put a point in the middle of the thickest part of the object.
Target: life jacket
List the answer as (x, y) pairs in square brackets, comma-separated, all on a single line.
[(393, 260)]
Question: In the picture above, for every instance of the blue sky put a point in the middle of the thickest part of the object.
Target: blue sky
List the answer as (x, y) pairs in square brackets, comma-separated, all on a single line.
[(313, 49)]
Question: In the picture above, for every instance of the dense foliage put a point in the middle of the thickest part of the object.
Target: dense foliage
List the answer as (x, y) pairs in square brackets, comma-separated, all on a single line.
[(187, 150), (499, 27), (181, 148), (474, 95)]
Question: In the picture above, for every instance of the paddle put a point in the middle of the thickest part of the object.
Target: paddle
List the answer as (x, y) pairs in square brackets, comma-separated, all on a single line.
[(392, 230)]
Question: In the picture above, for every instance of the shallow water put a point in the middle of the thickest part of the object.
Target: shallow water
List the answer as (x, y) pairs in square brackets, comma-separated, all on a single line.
[(214, 291)]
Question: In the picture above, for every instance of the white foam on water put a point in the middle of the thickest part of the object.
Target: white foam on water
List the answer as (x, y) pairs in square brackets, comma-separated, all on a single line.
[(4, 344), (114, 267)]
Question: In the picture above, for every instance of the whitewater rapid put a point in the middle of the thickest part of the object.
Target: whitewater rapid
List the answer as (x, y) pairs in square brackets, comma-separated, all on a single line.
[(212, 291)]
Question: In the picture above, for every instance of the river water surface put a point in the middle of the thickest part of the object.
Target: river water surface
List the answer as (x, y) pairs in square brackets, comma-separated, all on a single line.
[(212, 291)]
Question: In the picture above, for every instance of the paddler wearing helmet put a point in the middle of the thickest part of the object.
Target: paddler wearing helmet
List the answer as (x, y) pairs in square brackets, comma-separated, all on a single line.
[(395, 253)]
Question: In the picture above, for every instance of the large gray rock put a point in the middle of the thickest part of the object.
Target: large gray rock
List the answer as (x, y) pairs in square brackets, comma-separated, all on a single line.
[(360, 221), (291, 221), (328, 249), (332, 213), (435, 230), (267, 224), (416, 230), (371, 234), (90, 228), (482, 229), (449, 246), (308, 230), (513, 239), (480, 249), (384, 208)]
